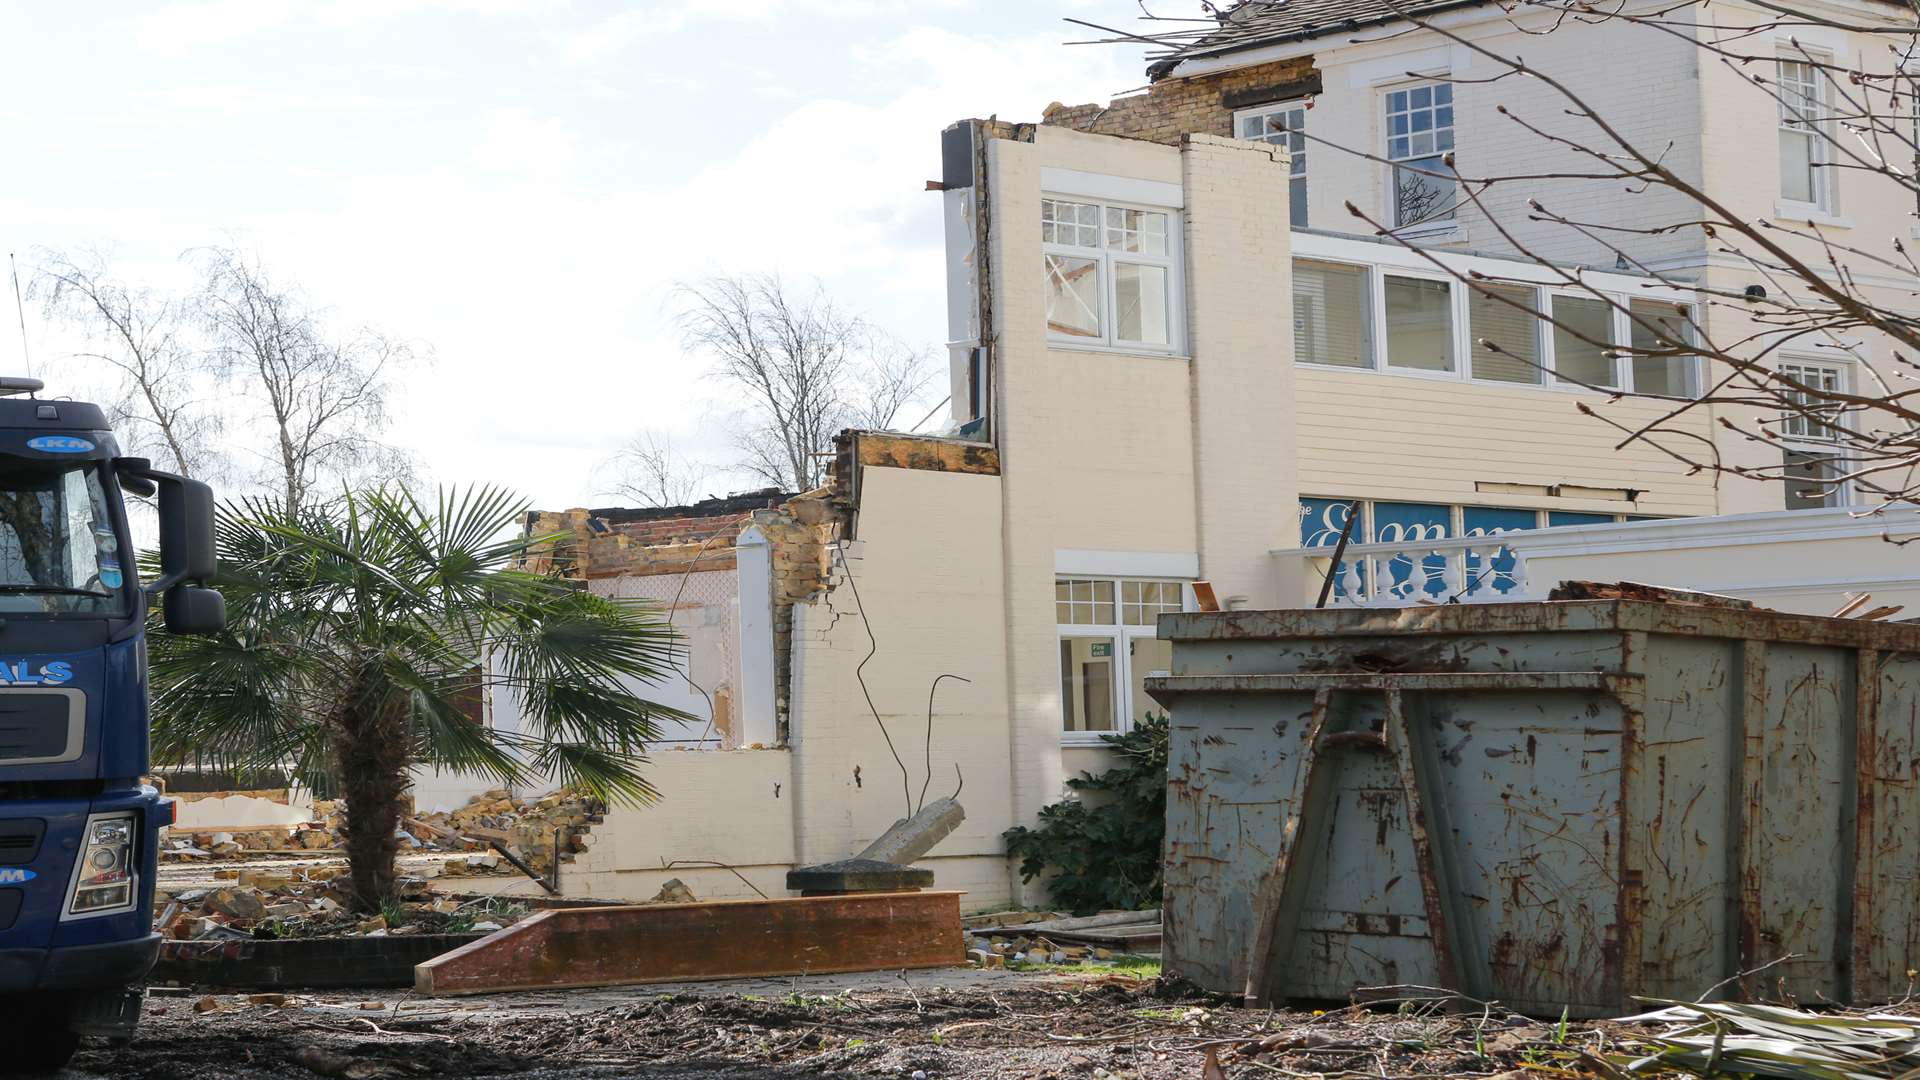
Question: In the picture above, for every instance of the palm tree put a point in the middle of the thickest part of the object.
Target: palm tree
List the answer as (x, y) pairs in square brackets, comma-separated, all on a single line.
[(358, 629)]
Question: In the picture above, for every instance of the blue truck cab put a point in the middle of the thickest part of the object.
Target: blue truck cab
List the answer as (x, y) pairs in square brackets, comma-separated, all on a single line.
[(78, 828)]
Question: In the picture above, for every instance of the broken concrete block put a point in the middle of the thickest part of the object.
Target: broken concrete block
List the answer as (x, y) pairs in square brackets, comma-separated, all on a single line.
[(674, 892), (857, 875), (911, 838), (264, 880), (242, 905)]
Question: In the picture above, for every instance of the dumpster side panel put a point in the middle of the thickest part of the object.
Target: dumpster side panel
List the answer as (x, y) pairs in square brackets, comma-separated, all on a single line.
[(1530, 785), (1231, 761), (1681, 804), (1799, 779), (1887, 921), (1559, 651)]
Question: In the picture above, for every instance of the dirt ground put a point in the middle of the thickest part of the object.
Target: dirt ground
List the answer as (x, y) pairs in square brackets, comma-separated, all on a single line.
[(943, 1024)]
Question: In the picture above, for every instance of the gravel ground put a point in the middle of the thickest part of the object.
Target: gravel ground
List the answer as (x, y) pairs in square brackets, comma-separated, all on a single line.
[(945, 1024)]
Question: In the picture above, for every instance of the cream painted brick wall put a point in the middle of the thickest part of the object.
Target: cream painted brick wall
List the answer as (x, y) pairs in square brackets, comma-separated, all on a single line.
[(927, 568), (1244, 413)]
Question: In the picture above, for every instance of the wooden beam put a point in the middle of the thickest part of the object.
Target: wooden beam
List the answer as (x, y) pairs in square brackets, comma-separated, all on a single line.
[(724, 939)]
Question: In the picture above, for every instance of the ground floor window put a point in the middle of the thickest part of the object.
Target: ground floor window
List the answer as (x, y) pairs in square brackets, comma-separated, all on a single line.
[(1108, 649)]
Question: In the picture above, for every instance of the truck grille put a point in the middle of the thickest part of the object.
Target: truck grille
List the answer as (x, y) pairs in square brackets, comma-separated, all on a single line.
[(20, 840), (40, 725)]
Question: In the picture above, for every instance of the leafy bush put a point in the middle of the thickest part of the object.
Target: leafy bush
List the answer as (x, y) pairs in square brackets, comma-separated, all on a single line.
[(1105, 856)]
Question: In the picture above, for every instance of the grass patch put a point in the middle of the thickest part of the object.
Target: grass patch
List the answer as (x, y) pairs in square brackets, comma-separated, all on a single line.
[(1132, 966)]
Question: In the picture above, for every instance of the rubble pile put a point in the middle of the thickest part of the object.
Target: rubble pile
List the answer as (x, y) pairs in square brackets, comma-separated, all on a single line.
[(537, 830), (1030, 950), (313, 901), (534, 829)]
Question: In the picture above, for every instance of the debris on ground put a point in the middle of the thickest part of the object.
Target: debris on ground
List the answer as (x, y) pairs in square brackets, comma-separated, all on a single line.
[(315, 901), (538, 831)]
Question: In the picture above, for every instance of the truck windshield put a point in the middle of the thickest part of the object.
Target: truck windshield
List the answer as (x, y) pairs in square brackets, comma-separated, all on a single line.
[(59, 551)]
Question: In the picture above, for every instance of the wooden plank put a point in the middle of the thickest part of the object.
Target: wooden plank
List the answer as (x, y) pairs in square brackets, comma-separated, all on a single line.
[(725, 939)]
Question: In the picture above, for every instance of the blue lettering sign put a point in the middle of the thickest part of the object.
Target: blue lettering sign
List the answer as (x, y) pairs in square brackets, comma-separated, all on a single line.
[(60, 444), (14, 875)]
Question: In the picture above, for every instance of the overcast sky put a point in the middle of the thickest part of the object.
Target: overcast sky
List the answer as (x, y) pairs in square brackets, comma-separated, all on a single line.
[(519, 183)]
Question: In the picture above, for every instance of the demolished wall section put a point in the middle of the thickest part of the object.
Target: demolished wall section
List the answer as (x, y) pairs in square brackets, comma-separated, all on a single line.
[(1204, 105)]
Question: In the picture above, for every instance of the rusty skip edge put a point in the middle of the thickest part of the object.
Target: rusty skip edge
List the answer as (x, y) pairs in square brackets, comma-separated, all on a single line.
[(652, 943)]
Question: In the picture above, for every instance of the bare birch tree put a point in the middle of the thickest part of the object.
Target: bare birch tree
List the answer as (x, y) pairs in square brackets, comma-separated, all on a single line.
[(145, 337), (652, 471), (325, 395), (803, 369), (1801, 284)]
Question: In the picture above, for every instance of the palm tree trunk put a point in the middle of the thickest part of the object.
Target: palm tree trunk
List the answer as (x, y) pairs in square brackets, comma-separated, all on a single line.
[(371, 756)]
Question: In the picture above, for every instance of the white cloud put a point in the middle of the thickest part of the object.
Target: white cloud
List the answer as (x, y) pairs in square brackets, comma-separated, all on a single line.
[(518, 142), (621, 31), (246, 100)]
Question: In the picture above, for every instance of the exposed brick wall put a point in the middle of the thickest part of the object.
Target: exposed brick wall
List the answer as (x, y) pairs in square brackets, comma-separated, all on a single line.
[(640, 543), (1204, 105)]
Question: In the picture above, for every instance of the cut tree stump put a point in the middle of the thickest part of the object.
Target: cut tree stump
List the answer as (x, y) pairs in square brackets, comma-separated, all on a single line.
[(722, 939)]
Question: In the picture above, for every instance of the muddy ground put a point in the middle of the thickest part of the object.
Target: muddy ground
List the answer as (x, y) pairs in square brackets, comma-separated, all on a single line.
[(945, 1025)]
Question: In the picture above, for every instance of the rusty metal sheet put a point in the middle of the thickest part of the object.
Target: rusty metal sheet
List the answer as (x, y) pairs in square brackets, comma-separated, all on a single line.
[(619, 946)]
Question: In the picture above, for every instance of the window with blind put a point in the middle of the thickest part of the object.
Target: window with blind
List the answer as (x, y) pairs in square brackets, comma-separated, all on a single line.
[(1506, 333), (1331, 316)]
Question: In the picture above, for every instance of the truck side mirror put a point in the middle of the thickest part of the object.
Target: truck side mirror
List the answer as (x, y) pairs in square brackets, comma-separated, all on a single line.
[(186, 530), (189, 609)]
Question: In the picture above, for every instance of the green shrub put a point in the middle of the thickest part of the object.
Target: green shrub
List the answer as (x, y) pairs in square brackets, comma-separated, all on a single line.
[(1105, 856)]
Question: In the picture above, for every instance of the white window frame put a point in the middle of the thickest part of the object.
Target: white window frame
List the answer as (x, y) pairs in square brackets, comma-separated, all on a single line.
[(1614, 294), (1817, 132), (1295, 110), (1123, 636), (1796, 431), (1105, 256), (1451, 221)]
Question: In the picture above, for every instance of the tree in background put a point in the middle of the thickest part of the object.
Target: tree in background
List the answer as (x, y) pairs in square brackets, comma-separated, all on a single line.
[(803, 367), (324, 395), (159, 407), (651, 471), (361, 629)]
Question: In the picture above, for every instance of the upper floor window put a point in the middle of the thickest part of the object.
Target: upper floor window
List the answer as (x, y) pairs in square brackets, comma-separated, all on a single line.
[(1419, 123), (1353, 315), (1282, 125), (1813, 413), (1803, 150), (1110, 273)]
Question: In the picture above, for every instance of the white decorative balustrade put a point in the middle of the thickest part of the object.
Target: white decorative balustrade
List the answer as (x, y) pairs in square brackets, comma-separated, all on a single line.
[(1460, 569)]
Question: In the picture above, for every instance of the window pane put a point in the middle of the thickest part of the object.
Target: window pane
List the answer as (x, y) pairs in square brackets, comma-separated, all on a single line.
[(1330, 321), (1073, 296), (1427, 195), (1514, 330), (1490, 569), (1140, 303), (1321, 521), (1075, 223), (1796, 166), (1409, 523), (1810, 480), (1659, 326), (1297, 202), (1140, 231), (1148, 657), (1813, 412), (1575, 356), (1570, 517), (1419, 324), (1086, 683)]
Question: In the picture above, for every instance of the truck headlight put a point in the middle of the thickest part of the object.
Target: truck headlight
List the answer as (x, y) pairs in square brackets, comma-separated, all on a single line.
[(103, 879)]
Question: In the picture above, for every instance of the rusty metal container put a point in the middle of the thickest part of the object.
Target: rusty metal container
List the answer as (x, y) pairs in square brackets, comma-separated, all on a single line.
[(1550, 805)]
